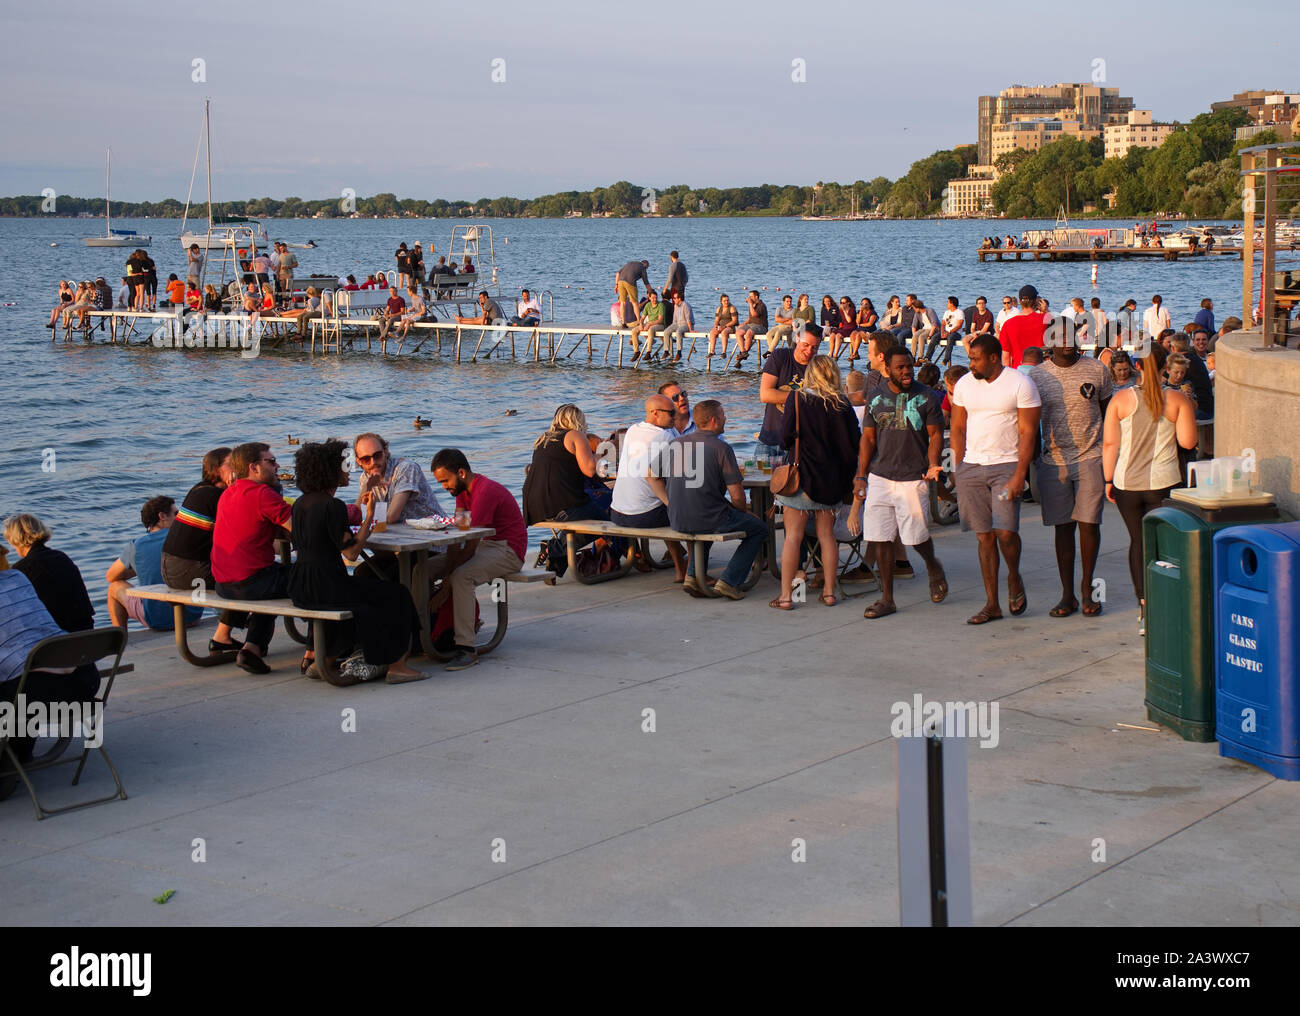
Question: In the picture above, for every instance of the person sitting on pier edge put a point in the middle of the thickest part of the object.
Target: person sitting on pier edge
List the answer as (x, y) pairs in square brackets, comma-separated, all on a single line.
[(868, 319), (949, 332), (701, 472), (803, 315), (55, 576), (754, 324), (491, 312), (1023, 330), (104, 296), (650, 320), (187, 552), (892, 319), (490, 506), (829, 314), (416, 310), (925, 325), (848, 324), (528, 311), (783, 371), (784, 327), (554, 485), (640, 497), (251, 516), (683, 321), (393, 311), (143, 558), (383, 615), (681, 423), (725, 319)]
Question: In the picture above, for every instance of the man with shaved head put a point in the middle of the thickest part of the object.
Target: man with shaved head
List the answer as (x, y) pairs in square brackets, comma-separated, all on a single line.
[(640, 496)]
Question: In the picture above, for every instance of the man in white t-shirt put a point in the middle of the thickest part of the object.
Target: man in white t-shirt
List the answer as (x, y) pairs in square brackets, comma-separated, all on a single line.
[(1009, 310), (1155, 319), (640, 496), (995, 412)]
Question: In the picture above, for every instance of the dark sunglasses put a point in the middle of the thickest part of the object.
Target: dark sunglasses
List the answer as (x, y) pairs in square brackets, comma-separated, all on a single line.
[(363, 459)]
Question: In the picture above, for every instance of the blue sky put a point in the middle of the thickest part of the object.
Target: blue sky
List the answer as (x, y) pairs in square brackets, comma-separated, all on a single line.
[(657, 93)]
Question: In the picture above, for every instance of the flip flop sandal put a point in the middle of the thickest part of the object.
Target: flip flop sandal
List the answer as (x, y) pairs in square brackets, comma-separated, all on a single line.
[(780, 604), (1092, 609), (880, 609), (828, 599), (984, 617), (1062, 609), (938, 587), (1018, 604)]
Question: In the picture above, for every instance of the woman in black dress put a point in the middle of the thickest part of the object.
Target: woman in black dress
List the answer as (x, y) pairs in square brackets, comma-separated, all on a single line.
[(384, 616)]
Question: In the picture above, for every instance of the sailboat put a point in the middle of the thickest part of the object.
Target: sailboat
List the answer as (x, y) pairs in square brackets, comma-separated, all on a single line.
[(223, 231), (114, 237)]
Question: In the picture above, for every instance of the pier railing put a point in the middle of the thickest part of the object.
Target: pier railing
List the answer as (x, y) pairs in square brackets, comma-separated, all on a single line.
[(1270, 184)]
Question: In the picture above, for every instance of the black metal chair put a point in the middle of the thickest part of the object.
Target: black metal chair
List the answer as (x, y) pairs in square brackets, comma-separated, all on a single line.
[(72, 650)]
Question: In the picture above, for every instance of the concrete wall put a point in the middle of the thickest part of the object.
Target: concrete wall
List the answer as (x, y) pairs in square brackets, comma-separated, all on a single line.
[(1257, 405)]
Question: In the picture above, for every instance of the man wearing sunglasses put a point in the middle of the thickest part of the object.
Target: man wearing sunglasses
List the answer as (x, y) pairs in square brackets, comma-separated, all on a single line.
[(681, 423), (400, 482)]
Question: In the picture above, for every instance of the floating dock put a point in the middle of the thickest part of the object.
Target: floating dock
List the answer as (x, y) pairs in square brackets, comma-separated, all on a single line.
[(1105, 253)]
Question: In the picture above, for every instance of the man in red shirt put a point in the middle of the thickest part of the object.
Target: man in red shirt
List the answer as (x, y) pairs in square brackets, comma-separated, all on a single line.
[(489, 505), (1023, 330), (251, 516)]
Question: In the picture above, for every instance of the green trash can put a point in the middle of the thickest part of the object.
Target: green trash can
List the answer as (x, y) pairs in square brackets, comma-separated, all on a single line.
[(1178, 578)]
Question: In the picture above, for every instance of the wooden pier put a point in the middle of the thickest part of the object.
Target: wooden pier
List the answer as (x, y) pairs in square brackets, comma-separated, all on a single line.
[(1105, 253)]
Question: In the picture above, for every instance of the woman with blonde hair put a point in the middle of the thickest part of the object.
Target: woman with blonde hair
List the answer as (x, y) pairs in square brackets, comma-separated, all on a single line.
[(820, 429), (55, 576), (555, 483), (1145, 426)]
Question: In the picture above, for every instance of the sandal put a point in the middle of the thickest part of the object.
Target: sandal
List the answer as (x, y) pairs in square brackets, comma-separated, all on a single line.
[(938, 586), (985, 616), (1018, 604), (1091, 608), (880, 609), (828, 599), (1063, 609), (308, 658), (780, 604)]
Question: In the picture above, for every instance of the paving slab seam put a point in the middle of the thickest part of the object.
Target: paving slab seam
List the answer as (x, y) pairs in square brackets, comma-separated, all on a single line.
[(1137, 853), (704, 804)]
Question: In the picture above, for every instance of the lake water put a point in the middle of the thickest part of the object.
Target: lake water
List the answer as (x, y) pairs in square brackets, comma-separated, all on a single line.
[(92, 431)]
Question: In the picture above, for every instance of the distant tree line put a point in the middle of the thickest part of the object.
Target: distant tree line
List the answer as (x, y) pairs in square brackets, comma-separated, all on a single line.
[(1195, 171)]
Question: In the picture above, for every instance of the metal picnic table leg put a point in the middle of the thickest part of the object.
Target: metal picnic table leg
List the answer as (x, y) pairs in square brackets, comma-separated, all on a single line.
[(183, 646), (699, 552)]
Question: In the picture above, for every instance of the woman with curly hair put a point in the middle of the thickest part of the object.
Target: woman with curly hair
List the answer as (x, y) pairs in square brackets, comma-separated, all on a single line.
[(383, 615), (826, 427)]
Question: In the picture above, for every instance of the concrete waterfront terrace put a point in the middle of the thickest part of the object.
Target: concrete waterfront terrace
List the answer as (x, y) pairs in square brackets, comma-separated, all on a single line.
[(768, 726)]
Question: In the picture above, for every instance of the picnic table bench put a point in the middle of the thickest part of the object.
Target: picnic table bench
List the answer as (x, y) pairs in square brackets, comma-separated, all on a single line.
[(698, 542)]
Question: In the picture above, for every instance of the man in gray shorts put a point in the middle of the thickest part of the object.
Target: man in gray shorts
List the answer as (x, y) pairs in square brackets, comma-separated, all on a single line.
[(1074, 391), (995, 413)]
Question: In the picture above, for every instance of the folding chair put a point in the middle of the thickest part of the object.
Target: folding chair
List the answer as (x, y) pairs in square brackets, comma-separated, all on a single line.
[(61, 651)]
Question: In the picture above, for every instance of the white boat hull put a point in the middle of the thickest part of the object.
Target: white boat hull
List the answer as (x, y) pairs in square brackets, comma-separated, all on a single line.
[(117, 241), (219, 240)]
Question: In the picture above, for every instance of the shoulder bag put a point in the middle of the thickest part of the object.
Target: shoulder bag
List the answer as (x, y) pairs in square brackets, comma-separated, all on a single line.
[(785, 478)]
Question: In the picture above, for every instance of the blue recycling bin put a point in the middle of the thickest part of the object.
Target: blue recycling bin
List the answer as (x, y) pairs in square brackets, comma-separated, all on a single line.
[(1257, 646)]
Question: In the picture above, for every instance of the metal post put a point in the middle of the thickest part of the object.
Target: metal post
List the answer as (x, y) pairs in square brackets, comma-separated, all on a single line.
[(938, 855), (1268, 322), (1248, 239)]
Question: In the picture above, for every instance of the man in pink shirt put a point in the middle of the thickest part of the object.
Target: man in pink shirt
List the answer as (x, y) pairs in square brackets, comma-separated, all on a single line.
[(251, 516), (491, 506)]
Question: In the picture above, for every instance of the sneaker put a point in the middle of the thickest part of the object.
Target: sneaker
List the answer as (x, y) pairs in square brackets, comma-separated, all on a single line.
[(392, 678), (728, 590), (222, 647), (247, 660), (462, 661), (357, 668)]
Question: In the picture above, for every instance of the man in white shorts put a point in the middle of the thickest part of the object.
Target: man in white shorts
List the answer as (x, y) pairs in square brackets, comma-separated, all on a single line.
[(902, 442), (995, 413)]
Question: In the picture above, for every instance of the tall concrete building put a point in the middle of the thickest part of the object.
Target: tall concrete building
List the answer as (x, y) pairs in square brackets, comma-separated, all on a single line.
[(1092, 106), (1269, 110), (1136, 131)]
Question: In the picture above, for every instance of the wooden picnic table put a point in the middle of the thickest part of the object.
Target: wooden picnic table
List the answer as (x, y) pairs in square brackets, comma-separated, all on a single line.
[(412, 546)]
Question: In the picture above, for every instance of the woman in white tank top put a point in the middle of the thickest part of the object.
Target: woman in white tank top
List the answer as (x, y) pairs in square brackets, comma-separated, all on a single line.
[(1145, 426)]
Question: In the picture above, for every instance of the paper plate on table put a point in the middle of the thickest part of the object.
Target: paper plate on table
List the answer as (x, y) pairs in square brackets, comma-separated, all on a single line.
[(432, 522)]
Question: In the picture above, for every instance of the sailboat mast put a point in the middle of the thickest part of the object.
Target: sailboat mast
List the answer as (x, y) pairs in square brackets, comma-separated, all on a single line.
[(207, 134), (108, 180)]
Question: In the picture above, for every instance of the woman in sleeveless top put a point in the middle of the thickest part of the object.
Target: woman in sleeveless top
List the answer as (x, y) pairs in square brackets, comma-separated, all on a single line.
[(1145, 426), (554, 485)]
